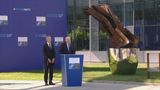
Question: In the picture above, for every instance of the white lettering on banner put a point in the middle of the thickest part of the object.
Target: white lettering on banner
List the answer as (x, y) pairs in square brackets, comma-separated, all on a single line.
[(4, 17), (40, 18), (74, 60), (58, 39), (22, 39), (21, 9)]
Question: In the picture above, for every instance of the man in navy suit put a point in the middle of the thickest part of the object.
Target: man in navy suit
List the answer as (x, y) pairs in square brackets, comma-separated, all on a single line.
[(67, 47), (49, 58)]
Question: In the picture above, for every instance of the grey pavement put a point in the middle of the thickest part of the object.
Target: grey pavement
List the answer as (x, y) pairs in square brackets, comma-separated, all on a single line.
[(39, 85)]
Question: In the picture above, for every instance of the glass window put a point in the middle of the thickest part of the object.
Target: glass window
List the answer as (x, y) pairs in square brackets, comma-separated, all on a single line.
[(78, 24), (147, 17), (129, 14)]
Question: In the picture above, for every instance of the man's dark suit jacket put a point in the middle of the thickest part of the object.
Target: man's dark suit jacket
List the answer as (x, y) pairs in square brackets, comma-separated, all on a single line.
[(48, 53), (64, 49)]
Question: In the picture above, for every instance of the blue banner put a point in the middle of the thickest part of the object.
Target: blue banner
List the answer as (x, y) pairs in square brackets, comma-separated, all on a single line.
[(23, 26)]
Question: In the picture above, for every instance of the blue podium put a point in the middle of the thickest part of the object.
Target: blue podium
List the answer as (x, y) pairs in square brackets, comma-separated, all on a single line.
[(72, 68)]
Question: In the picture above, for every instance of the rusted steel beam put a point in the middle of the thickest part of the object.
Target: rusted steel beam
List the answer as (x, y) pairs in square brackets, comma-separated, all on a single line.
[(120, 36)]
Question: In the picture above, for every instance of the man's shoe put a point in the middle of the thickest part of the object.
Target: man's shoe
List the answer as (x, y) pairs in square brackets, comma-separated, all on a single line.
[(46, 84), (51, 83)]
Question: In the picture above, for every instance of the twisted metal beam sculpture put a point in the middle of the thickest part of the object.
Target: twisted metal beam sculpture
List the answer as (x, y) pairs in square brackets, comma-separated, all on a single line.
[(120, 36)]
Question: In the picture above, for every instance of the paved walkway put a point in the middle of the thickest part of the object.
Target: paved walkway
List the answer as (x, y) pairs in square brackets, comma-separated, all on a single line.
[(39, 85)]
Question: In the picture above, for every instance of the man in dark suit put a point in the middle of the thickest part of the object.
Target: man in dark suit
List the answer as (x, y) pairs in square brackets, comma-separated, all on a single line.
[(49, 59), (67, 47)]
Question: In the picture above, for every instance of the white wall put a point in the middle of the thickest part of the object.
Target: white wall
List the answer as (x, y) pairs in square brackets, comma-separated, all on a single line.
[(94, 56), (102, 56)]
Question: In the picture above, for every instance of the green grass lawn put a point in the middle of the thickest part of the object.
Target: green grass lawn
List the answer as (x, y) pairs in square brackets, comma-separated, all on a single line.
[(91, 72)]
